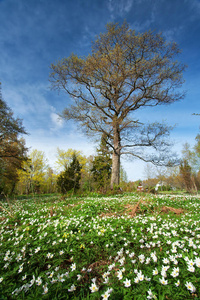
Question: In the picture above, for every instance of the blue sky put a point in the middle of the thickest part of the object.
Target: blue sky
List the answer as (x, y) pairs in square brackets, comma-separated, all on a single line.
[(36, 33)]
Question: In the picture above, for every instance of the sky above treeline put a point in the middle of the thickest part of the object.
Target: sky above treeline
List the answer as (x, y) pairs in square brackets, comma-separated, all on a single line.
[(36, 33)]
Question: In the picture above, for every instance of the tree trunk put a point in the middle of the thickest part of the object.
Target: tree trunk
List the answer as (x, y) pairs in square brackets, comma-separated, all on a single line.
[(194, 184), (13, 188), (115, 175)]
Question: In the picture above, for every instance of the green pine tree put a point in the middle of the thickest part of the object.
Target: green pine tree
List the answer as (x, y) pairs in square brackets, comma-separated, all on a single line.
[(70, 178), (102, 165)]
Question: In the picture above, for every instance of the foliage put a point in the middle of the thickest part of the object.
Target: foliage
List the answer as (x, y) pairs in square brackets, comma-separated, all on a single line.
[(197, 146), (185, 171), (102, 165), (123, 176), (64, 158), (12, 148), (124, 72), (50, 181), (90, 247), (192, 155), (190, 166), (87, 181), (32, 176), (196, 154), (70, 178)]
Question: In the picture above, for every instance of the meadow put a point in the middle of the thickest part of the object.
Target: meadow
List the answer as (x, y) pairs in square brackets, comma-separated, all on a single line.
[(128, 246)]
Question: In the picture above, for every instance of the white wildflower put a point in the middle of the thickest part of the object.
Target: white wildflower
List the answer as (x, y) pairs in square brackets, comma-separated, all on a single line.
[(127, 283), (163, 281), (93, 288), (72, 288), (190, 287)]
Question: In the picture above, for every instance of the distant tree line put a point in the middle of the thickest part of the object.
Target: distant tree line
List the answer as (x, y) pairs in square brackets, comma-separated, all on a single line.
[(185, 176), (73, 173)]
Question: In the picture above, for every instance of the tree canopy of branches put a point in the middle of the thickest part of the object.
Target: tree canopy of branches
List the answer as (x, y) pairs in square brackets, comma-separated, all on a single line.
[(12, 147), (125, 72)]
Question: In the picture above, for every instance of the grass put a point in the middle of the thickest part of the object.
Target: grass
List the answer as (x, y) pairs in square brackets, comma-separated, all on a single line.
[(130, 246)]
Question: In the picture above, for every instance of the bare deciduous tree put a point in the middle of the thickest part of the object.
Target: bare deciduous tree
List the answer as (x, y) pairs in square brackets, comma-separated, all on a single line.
[(125, 72)]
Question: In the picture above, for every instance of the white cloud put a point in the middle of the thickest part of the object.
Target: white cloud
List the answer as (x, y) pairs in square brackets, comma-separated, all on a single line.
[(57, 120), (119, 7), (26, 98), (30, 103), (195, 5), (171, 34)]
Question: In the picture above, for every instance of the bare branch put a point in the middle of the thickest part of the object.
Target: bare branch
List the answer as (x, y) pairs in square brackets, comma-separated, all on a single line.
[(125, 72)]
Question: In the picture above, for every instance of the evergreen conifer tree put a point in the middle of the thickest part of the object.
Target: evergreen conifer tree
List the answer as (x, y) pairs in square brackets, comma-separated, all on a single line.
[(70, 178), (102, 165)]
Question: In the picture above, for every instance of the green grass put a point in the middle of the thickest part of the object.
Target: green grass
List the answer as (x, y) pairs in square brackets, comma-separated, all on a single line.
[(96, 248)]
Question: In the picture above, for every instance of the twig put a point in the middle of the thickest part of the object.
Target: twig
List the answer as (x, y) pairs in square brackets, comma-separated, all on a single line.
[(6, 211)]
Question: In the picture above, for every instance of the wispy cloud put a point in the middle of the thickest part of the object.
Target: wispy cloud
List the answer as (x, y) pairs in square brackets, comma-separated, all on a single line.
[(30, 103), (57, 121), (119, 7), (27, 98), (143, 25), (172, 33), (195, 7)]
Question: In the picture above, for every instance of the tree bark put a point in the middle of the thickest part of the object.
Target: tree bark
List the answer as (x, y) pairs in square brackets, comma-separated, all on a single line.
[(115, 175), (13, 188)]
